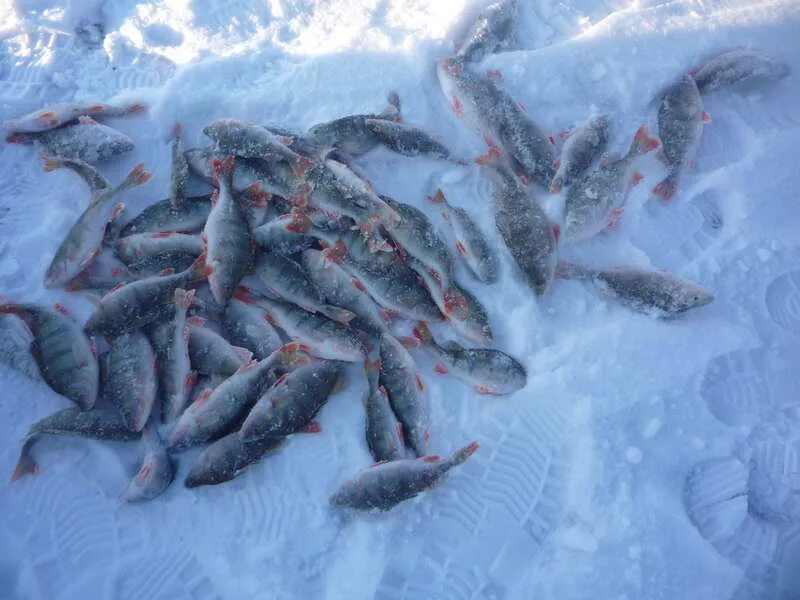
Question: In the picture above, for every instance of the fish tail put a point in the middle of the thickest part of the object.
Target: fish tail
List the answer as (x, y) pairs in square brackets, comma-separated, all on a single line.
[(665, 190), (642, 143), (438, 197), (461, 455), (137, 176), (51, 163), (200, 269), (568, 270), (7, 307), (135, 108), (18, 138), (422, 333), (26, 465), (394, 108), (183, 298)]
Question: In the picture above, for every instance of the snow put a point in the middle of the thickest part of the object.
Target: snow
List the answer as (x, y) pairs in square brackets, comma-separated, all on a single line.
[(623, 470)]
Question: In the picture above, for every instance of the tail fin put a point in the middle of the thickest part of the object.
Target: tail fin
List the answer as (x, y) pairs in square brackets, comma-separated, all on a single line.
[(667, 187), (183, 298), (568, 270), (200, 269), (394, 108), (438, 197), (135, 108), (26, 465), (51, 163), (461, 455), (422, 333), (642, 143), (137, 176), (18, 138)]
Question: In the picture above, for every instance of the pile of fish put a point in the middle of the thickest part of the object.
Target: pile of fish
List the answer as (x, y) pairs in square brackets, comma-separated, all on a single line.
[(226, 320)]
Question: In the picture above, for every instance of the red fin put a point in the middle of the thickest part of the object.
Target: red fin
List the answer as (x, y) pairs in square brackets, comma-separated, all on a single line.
[(50, 164), (312, 427), (223, 168), (492, 155), (484, 389), (440, 368), (26, 466), (243, 294), (432, 458), (706, 117), (135, 108), (552, 140), (196, 321), (189, 380), (614, 217), (400, 434), (269, 318), (644, 141), (409, 342), (665, 190), (300, 222), (93, 347), (203, 397), (116, 287), (494, 75), (49, 119), (454, 301), (162, 234), (15, 138), (457, 108), (635, 179), (556, 164), (97, 108), (387, 314), (557, 232), (420, 385), (60, 308), (461, 249), (165, 272), (358, 285), (257, 196)]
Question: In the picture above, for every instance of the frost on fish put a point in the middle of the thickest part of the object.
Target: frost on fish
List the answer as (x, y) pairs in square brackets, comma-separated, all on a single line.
[(739, 66), (494, 29)]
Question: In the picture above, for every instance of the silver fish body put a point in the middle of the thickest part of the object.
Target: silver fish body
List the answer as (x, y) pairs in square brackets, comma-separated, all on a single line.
[(494, 29), (247, 326), (227, 458), (154, 252), (210, 353), (736, 67), (406, 139), (163, 217), (581, 149), (156, 473), (383, 431), (130, 380), (62, 113)]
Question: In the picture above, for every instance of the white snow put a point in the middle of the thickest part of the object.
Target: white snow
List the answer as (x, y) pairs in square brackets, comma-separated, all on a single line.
[(622, 470)]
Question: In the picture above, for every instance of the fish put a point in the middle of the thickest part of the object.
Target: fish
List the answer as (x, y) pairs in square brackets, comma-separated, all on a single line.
[(343, 289), (680, 124), (105, 272), (655, 293), (82, 243), (286, 234), (210, 353), (582, 147), (203, 383), (249, 140), (321, 336), (227, 458), (86, 140), (216, 412), (741, 65), (471, 242), (96, 182), (171, 344), (292, 402), (290, 281), (494, 29), (130, 379), (156, 473), (96, 423), (246, 325), (141, 302), (162, 217), (596, 201), (384, 485), (401, 380), (179, 176), (406, 139), (62, 113), (65, 356), (526, 230), (154, 252), (383, 431), (490, 371), (499, 119), (228, 238)]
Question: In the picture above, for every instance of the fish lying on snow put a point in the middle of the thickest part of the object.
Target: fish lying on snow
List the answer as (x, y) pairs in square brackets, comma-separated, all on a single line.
[(246, 325), (153, 252), (82, 243), (597, 199), (286, 234), (165, 218), (62, 113), (651, 292), (582, 147), (680, 124), (156, 473), (385, 485), (179, 175), (406, 139), (66, 358), (494, 29), (98, 424), (383, 431), (86, 140), (227, 458), (741, 65), (489, 371), (210, 353), (130, 379)]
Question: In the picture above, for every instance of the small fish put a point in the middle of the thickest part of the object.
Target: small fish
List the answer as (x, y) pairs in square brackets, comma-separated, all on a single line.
[(141, 302), (471, 243), (156, 473), (228, 237), (596, 200), (96, 182), (66, 358), (210, 353), (385, 485), (179, 176), (489, 371), (292, 402), (406, 139), (738, 66), (105, 272), (526, 230), (650, 292), (290, 281), (176, 377), (286, 234), (97, 424), (82, 243), (246, 325), (203, 383), (227, 458), (130, 378), (215, 412), (62, 113), (493, 30), (86, 140), (680, 124), (383, 431), (153, 252), (583, 146), (400, 379), (162, 217)]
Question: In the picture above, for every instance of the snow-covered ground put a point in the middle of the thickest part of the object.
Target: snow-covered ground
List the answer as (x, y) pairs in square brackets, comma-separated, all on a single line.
[(644, 459)]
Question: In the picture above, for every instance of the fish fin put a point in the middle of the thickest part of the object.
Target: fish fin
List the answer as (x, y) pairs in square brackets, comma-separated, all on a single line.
[(409, 342), (302, 165), (183, 298), (335, 253), (243, 353), (461, 455), (48, 119), (642, 142), (462, 250), (242, 293), (706, 117), (256, 196), (135, 108), (422, 333), (338, 314), (665, 190), (568, 270), (615, 216), (200, 268), (203, 397), (189, 381), (137, 176), (61, 309), (25, 466), (195, 320), (491, 157), (312, 427), (223, 168), (300, 222), (17, 138), (557, 232), (440, 369), (387, 314), (358, 285), (248, 365), (86, 120), (635, 179), (556, 184), (432, 458), (119, 286), (438, 197), (400, 433), (166, 272), (420, 385)]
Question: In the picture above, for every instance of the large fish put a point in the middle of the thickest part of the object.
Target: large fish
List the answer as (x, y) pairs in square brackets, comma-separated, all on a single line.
[(156, 473), (502, 122), (86, 140), (227, 458), (383, 431), (401, 380), (406, 139), (130, 379), (228, 237), (62, 113), (596, 200), (246, 325), (738, 66), (582, 147), (680, 124), (650, 292), (97, 424), (66, 358), (216, 412), (141, 302), (211, 353), (471, 243), (82, 243), (526, 230), (489, 371), (154, 252), (494, 29), (163, 217), (385, 485), (179, 177), (292, 402)]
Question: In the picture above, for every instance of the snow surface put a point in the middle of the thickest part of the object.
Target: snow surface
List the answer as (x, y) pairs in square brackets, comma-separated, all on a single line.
[(644, 459)]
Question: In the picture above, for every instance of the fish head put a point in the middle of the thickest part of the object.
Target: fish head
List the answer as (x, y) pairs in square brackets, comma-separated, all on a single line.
[(683, 98), (693, 296)]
